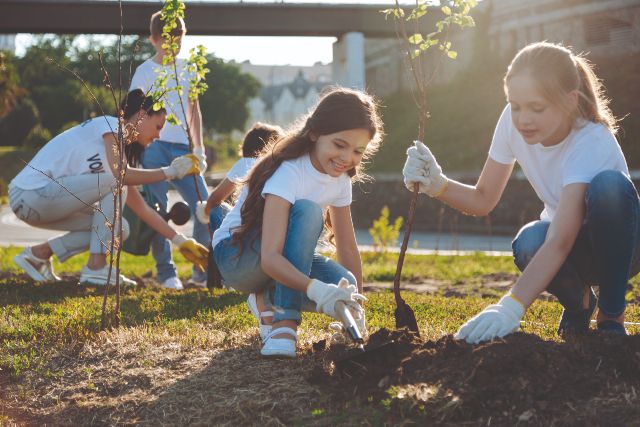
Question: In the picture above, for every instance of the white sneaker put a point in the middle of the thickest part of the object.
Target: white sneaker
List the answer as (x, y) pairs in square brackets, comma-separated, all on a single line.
[(280, 347), (173, 283), (99, 277), (40, 270)]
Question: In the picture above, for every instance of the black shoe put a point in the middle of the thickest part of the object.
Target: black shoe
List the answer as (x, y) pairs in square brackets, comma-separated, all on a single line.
[(612, 327), (577, 322), (214, 280)]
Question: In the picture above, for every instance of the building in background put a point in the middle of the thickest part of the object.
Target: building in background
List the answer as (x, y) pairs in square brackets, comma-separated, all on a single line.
[(601, 28), (287, 91)]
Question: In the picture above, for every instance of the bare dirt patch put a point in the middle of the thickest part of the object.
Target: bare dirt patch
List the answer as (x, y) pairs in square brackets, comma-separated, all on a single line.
[(594, 380)]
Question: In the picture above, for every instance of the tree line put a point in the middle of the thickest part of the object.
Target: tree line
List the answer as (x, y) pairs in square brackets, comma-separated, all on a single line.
[(42, 96)]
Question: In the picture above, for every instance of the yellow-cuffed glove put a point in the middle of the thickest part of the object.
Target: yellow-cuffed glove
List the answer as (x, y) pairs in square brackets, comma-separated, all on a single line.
[(193, 251), (182, 166)]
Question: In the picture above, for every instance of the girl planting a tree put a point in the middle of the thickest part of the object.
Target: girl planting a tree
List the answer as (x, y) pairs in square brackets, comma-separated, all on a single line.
[(266, 245), (559, 129), (69, 185)]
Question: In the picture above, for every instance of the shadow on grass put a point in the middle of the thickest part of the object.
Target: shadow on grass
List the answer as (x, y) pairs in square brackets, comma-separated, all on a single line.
[(19, 289), (154, 305), (138, 304)]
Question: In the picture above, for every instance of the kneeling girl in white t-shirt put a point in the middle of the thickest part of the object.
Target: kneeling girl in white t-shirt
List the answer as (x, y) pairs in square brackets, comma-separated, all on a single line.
[(69, 185), (266, 245), (559, 129)]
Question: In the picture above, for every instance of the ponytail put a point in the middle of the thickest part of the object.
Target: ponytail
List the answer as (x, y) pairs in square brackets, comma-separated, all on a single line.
[(135, 101), (593, 105)]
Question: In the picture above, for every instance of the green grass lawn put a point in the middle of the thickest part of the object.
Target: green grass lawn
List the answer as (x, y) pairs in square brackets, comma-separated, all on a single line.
[(51, 332)]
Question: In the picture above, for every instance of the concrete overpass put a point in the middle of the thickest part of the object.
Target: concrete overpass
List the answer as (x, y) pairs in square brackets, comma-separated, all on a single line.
[(350, 23), (203, 18)]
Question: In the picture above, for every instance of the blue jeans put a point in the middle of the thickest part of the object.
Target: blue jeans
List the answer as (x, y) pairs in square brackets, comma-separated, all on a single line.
[(606, 252), (216, 216), (157, 155), (242, 271)]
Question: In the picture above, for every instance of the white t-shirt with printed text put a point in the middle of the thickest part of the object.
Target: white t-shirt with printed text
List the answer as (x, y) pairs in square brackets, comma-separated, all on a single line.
[(144, 78), (589, 149), (294, 180), (76, 151)]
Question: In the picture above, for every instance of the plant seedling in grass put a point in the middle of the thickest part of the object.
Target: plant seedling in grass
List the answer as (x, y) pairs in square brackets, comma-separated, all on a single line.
[(455, 12)]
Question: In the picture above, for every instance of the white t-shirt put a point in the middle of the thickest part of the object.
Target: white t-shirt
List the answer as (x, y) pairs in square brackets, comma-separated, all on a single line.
[(144, 78), (241, 168), (76, 151), (294, 180), (588, 150)]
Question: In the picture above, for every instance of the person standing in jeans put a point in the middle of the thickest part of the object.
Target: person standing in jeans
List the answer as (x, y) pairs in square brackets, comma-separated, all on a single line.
[(173, 142)]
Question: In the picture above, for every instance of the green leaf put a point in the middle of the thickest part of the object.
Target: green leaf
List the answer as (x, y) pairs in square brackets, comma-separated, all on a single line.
[(446, 10), (416, 38), (452, 54)]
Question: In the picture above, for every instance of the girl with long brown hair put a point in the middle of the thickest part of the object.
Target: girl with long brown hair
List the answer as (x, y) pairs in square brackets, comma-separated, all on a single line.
[(266, 245), (558, 127)]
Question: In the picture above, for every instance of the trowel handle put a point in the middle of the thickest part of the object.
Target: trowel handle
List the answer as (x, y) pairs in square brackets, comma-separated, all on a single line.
[(349, 323)]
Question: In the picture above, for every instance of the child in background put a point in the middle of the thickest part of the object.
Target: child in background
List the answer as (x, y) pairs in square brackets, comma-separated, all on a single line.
[(558, 127), (214, 210), (266, 245), (72, 175), (173, 142)]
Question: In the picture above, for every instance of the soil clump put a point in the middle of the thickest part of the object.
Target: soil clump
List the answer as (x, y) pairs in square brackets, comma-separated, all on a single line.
[(521, 379)]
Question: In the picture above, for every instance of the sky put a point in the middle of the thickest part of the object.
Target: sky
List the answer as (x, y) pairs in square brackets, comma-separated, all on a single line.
[(259, 50)]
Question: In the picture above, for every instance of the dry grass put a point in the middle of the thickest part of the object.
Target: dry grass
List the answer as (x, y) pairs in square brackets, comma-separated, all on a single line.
[(149, 376)]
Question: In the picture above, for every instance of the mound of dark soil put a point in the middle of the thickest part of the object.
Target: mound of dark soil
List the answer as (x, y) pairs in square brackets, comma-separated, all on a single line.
[(590, 380)]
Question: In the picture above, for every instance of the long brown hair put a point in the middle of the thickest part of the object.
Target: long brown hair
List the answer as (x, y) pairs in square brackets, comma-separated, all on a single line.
[(338, 110), (559, 71)]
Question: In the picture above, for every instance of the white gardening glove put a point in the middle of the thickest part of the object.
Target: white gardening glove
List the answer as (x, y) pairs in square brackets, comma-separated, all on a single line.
[(201, 213), (358, 316), (325, 295), (421, 167), (495, 321), (341, 336), (202, 157), (182, 166)]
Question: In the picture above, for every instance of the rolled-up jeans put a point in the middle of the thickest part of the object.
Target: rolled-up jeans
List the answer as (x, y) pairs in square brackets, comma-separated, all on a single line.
[(79, 204), (239, 263), (606, 252)]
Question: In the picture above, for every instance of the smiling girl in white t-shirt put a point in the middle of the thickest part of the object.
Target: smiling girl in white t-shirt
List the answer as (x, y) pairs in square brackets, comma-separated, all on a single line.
[(559, 129), (266, 245)]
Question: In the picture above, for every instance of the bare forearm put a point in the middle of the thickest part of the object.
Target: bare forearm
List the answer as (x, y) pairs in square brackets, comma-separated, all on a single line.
[(155, 221), (466, 198), (219, 194), (280, 269), (149, 215), (539, 273), (135, 176)]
